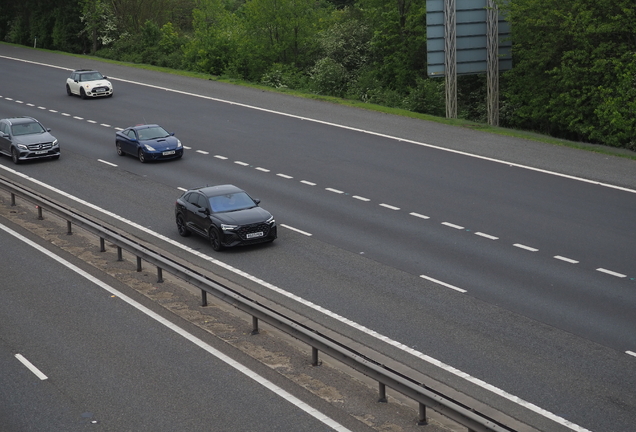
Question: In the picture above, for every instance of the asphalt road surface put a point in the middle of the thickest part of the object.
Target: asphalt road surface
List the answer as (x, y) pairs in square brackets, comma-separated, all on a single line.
[(508, 260)]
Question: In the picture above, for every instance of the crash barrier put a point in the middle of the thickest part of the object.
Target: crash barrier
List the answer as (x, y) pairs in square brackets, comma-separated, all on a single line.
[(425, 396)]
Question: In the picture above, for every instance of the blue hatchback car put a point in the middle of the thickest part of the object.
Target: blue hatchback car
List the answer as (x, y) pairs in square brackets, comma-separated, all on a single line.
[(148, 142)]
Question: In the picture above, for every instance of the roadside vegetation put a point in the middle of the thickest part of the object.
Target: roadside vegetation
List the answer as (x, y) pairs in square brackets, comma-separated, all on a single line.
[(574, 74)]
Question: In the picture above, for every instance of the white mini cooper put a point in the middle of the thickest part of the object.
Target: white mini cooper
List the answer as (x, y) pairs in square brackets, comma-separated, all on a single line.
[(88, 83)]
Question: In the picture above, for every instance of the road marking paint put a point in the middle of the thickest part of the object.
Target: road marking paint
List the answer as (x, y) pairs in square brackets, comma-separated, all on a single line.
[(78, 118), (631, 353), (334, 190), (202, 152), (569, 260), (105, 125), (9, 99), (421, 216), (53, 111), (182, 188), (488, 236), (220, 157), (308, 183), (30, 104), (609, 272), (91, 121), (297, 230), (389, 206), (65, 114), (262, 169), (361, 198), (461, 290), (30, 366), (181, 332), (284, 176), (105, 162), (448, 224), (241, 163), (528, 248), (187, 148), (42, 108), (19, 102)]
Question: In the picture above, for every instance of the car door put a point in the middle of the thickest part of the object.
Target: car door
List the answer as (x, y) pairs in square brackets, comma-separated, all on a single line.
[(200, 215), (74, 85), (129, 143), (5, 139)]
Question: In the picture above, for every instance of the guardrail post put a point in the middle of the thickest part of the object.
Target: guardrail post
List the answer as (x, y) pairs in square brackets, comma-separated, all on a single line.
[(422, 420), (119, 257), (382, 391), (314, 356), (254, 325), (102, 248), (159, 275), (12, 200), (138, 264), (69, 230), (40, 217), (204, 298)]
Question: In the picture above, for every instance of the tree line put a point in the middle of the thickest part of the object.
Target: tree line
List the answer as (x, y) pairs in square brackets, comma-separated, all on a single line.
[(574, 61)]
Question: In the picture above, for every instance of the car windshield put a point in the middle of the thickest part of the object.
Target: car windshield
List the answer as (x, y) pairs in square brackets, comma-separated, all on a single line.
[(152, 133), (27, 128), (231, 202), (92, 76)]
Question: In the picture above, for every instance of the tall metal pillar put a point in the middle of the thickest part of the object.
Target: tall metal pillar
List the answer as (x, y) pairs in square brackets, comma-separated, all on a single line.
[(492, 62), (450, 58)]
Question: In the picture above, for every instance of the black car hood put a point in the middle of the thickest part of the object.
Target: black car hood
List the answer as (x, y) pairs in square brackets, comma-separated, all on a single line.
[(243, 217)]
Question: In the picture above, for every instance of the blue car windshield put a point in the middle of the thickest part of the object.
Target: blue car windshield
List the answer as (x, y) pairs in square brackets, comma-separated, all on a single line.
[(231, 202), (152, 133)]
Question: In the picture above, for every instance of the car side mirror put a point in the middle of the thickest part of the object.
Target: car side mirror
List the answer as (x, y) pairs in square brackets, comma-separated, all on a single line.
[(3, 135), (257, 201), (105, 77), (171, 133), (203, 211), (48, 129)]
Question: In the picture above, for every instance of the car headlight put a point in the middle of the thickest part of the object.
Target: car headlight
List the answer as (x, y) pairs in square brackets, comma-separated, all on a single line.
[(226, 227), (54, 143), (270, 221), (178, 143), (149, 147), (22, 147)]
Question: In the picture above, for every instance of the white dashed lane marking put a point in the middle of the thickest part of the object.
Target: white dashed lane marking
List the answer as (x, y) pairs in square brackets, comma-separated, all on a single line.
[(390, 207), (241, 163), (334, 190), (202, 152), (220, 157), (451, 225), (421, 216), (612, 273), (461, 290), (107, 163), (568, 260), (488, 236), (296, 230), (262, 169), (361, 198), (285, 176), (308, 183), (528, 248)]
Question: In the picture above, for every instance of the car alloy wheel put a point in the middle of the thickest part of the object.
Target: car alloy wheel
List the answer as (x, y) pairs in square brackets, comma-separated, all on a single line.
[(68, 90), (181, 227), (142, 157), (82, 93), (120, 152), (215, 239), (15, 156)]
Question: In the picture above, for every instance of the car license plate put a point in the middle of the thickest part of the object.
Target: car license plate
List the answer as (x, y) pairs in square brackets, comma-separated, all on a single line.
[(100, 90), (41, 152), (168, 153), (256, 234)]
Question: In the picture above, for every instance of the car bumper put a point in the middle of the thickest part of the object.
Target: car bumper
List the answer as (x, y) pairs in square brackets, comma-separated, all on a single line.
[(24, 155), (242, 236), (161, 155), (99, 94)]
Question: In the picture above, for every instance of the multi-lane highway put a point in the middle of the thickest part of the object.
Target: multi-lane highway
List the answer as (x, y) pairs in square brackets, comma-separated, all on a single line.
[(499, 266)]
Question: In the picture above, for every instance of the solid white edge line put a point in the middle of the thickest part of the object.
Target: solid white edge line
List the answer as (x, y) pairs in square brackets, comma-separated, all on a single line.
[(183, 333), (105, 162), (488, 236), (631, 353), (461, 290), (568, 260), (610, 272), (297, 230), (528, 248), (30, 366), (451, 225)]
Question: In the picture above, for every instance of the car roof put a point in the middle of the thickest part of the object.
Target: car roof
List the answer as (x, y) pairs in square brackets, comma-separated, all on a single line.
[(143, 126), (85, 70), (211, 191), (18, 120)]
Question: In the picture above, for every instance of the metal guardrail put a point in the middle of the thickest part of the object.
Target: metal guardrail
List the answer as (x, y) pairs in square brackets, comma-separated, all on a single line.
[(385, 376)]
